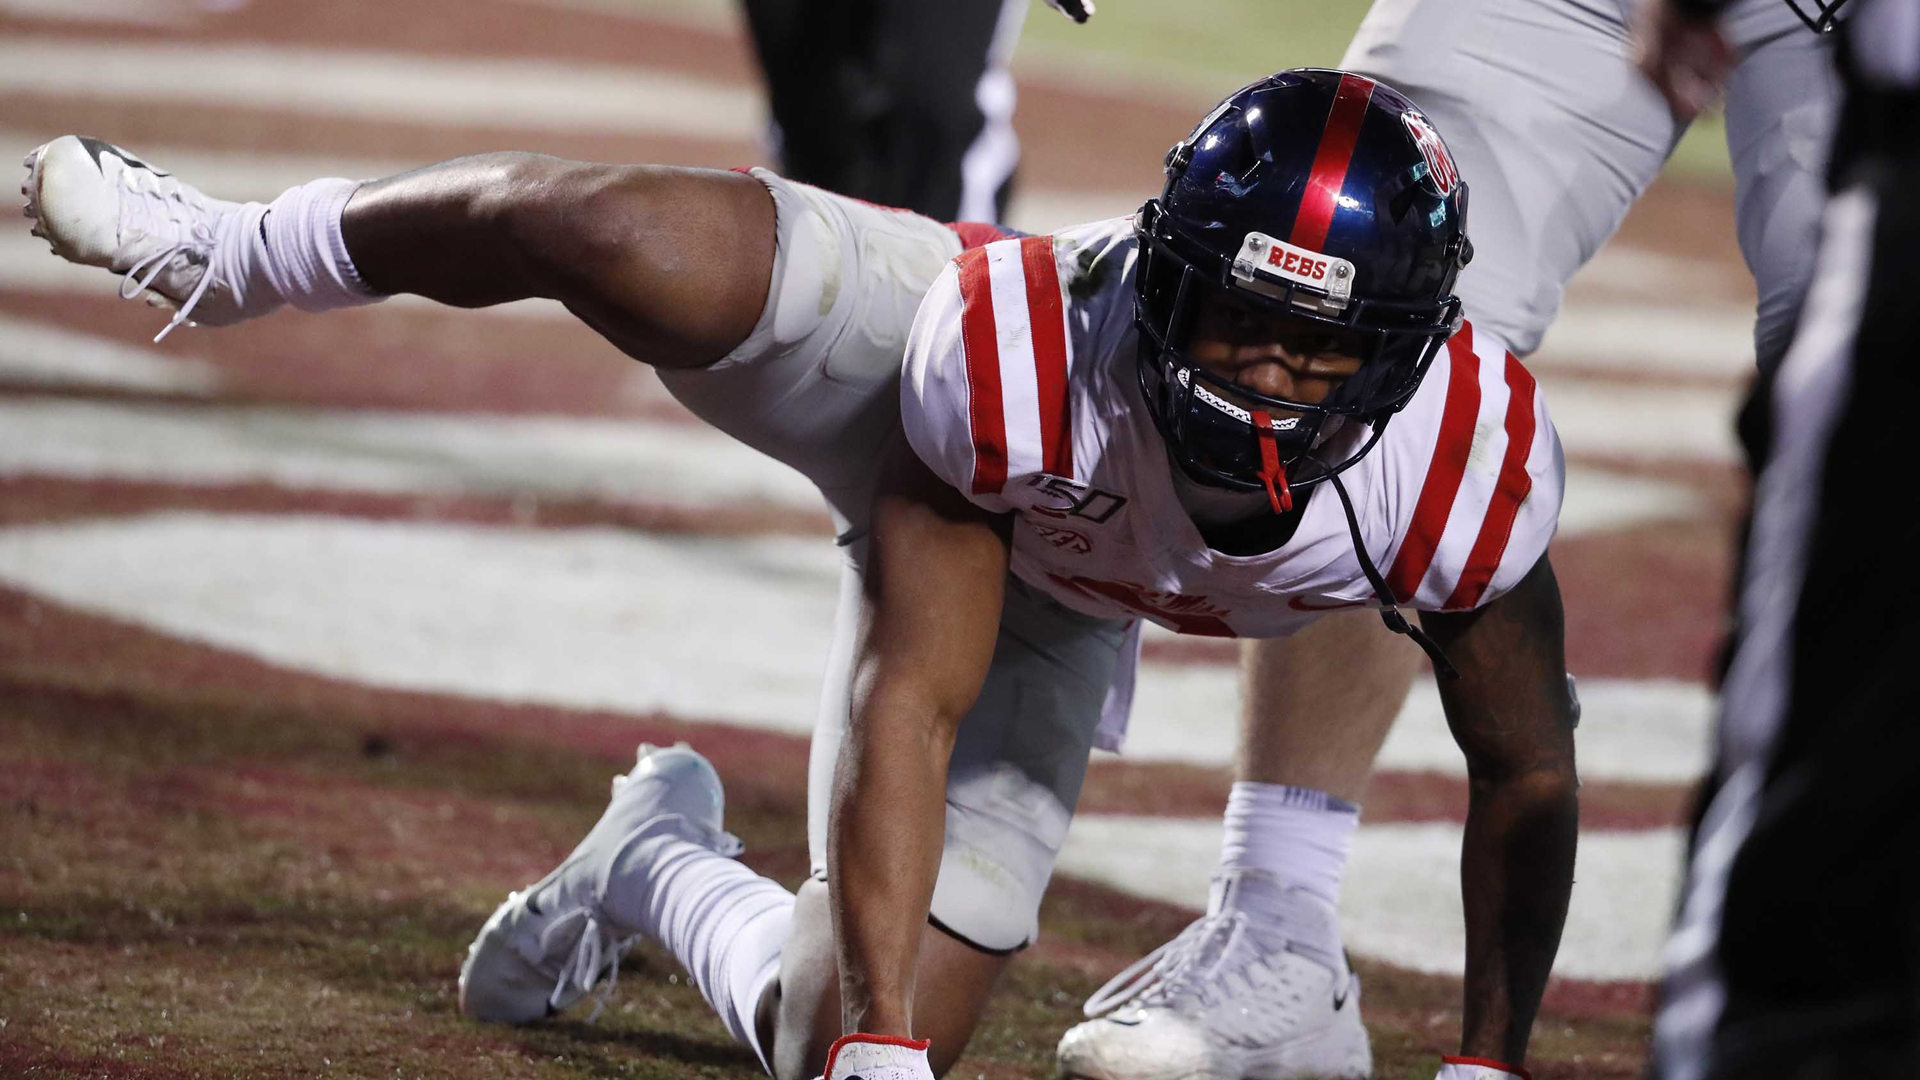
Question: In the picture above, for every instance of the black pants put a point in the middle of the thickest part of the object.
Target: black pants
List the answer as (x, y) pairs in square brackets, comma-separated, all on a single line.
[(1797, 951), (881, 99)]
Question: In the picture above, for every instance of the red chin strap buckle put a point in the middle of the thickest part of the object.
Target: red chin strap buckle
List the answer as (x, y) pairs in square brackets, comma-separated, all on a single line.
[(1270, 471)]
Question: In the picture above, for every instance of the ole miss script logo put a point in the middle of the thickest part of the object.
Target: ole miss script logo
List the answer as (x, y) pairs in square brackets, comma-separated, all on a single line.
[(1440, 167), (1064, 539)]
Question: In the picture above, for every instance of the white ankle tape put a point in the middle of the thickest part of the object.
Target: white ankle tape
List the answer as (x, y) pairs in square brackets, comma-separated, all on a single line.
[(305, 256)]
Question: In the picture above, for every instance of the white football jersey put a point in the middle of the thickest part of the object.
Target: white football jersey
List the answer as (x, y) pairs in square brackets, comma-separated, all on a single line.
[(1021, 390)]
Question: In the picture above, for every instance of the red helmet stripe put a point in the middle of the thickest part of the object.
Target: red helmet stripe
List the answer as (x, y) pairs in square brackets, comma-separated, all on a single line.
[(1330, 163)]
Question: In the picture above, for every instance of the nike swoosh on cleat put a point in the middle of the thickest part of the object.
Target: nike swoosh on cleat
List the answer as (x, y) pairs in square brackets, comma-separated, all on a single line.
[(1340, 997), (96, 147)]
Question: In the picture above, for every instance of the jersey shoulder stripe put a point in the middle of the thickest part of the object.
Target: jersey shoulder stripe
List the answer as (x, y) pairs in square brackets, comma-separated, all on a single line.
[(979, 336), (1014, 334), (1482, 455), (1444, 472), (1046, 309), (1512, 489)]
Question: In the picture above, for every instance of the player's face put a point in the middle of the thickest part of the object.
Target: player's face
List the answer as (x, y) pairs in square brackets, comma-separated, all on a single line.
[(1271, 353)]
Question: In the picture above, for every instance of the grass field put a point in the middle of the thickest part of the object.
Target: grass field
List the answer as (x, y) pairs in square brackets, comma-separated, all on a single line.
[(200, 885)]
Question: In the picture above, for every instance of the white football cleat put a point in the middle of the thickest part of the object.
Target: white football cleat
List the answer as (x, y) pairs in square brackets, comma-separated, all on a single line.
[(1233, 997), (100, 206), (552, 942)]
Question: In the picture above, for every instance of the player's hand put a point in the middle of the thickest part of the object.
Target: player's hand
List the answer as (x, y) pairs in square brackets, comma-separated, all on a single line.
[(877, 1057), (1077, 10), (1473, 1068), (1686, 56)]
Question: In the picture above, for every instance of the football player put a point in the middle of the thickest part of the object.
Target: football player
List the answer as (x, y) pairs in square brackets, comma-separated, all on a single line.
[(1545, 113), (1253, 401), (1796, 948)]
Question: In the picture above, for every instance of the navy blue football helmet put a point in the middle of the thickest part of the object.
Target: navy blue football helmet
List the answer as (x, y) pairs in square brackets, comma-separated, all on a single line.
[(1322, 196)]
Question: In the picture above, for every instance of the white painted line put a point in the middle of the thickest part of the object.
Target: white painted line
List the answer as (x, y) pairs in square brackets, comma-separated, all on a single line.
[(38, 354), (533, 94), (425, 606), (368, 450), (383, 452), (28, 265), (135, 12), (1602, 500), (1651, 339), (704, 628), (1652, 731), (1401, 901), (1643, 423)]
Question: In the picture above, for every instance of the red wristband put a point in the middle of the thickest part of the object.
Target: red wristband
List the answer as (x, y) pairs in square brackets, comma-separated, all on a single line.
[(1486, 1063), (882, 1040)]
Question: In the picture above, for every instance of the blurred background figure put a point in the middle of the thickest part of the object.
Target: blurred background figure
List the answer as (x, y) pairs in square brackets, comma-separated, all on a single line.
[(899, 102), (1796, 953)]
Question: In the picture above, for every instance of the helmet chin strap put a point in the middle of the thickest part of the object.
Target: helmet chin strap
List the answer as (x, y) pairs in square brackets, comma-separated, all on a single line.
[(1271, 471), (1390, 614)]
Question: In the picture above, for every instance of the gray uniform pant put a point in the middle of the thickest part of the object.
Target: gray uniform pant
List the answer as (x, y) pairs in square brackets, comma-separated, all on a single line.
[(817, 386), (1557, 133)]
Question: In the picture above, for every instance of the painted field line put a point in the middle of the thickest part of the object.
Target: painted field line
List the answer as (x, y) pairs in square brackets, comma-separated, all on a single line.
[(535, 94), (601, 619), (135, 12), (544, 456), (620, 620), (1650, 338), (394, 452), (1401, 901), (1647, 730), (41, 354), (1614, 418)]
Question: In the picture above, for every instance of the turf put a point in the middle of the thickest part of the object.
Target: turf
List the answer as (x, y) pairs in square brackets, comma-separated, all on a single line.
[(201, 884)]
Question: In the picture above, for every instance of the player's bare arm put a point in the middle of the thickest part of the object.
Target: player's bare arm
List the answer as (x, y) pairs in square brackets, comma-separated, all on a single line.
[(934, 591), (1512, 714)]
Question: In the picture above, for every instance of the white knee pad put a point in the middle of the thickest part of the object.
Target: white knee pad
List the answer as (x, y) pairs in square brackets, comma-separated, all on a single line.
[(1004, 831)]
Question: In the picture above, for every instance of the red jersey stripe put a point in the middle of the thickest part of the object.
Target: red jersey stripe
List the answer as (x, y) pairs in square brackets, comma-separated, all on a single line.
[(1508, 493), (1317, 203), (1047, 317), (985, 411), (1449, 464)]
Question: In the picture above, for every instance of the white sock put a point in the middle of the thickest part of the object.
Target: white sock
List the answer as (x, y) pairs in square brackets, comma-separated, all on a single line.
[(1297, 837), (292, 249), (725, 924)]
